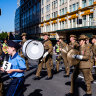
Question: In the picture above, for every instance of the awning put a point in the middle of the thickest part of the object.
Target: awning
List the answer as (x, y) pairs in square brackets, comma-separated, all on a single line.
[(62, 19), (48, 23), (77, 29), (87, 12), (73, 16), (54, 22), (42, 25)]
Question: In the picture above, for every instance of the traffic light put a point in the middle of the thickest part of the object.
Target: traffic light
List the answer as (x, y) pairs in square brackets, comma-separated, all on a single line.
[(0, 11)]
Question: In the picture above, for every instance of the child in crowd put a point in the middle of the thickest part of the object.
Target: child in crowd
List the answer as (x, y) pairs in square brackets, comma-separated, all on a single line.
[(16, 72)]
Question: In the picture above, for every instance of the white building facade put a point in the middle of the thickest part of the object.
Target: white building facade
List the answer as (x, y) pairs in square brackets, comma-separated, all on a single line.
[(64, 14)]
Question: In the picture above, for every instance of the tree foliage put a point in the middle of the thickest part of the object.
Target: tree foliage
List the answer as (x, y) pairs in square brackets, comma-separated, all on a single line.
[(3, 35)]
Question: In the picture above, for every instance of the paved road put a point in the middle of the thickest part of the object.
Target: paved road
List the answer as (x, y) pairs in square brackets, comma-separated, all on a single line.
[(58, 86)]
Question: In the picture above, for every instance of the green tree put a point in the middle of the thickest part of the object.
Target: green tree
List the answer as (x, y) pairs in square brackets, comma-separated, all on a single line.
[(3, 35)]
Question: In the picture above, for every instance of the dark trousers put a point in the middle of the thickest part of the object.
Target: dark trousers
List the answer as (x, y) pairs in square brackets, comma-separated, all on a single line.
[(16, 87)]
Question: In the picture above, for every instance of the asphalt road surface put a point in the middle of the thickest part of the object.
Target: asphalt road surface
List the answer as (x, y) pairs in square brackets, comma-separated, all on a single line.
[(57, 86)]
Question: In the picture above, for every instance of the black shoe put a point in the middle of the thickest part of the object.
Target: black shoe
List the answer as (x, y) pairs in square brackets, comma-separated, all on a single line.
[(66, 75), (87, 95), (48, 78), (36, 78), (69, 94)]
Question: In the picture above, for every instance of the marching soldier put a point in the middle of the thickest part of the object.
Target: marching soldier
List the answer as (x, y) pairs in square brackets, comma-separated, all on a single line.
[(94, 49), (84, 66), (21, 54), (63, 50), (48, 48), (73, 44), (89, 46)]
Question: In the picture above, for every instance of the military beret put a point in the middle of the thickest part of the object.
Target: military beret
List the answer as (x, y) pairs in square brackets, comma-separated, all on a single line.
[(82, 37), (23, 34), (11, 43), (73, 36)]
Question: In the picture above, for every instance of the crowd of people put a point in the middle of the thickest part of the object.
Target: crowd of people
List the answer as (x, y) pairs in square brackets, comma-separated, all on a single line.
[(86, 57)]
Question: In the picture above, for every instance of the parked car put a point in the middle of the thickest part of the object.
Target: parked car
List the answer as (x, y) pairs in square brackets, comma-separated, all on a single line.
[(17, 41)]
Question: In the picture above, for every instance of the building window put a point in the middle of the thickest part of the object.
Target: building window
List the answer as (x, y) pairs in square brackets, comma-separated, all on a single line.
[(48, 8), (91, 2), (47, 0), (55, 26), (61, 2), (74, 7), (42, 11), (65, 10), (54, 4), (48, 17), (84, 20), (42, 2), (48, 28), (83, 3), (91, 23), (54, 14), (77, 5), (42, 19), (70, 8)]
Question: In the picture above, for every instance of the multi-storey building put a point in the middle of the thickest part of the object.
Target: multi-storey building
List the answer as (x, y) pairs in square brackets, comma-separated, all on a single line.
[(59, 17), (62, 16), (17, 21)]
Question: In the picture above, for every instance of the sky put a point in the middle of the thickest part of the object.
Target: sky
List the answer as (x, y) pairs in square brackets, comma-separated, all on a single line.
[(7, 17)]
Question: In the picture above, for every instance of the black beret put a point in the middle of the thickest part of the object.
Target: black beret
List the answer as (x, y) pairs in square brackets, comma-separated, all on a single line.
[(11, 43)]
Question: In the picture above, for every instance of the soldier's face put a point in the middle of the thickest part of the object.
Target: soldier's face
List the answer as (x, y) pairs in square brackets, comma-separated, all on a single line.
[(45, 37), (87, 41), (81, 42), (23, 37), (93, 40), (71, 38)]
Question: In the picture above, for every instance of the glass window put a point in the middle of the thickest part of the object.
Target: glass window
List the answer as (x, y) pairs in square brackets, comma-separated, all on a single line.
[(34, 10), (70, 8), (60, 2), (77, 5), (60, 12), (91, 2), (42, 2), (74, 7), (65, 10), (84, 17), (83, 3)]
